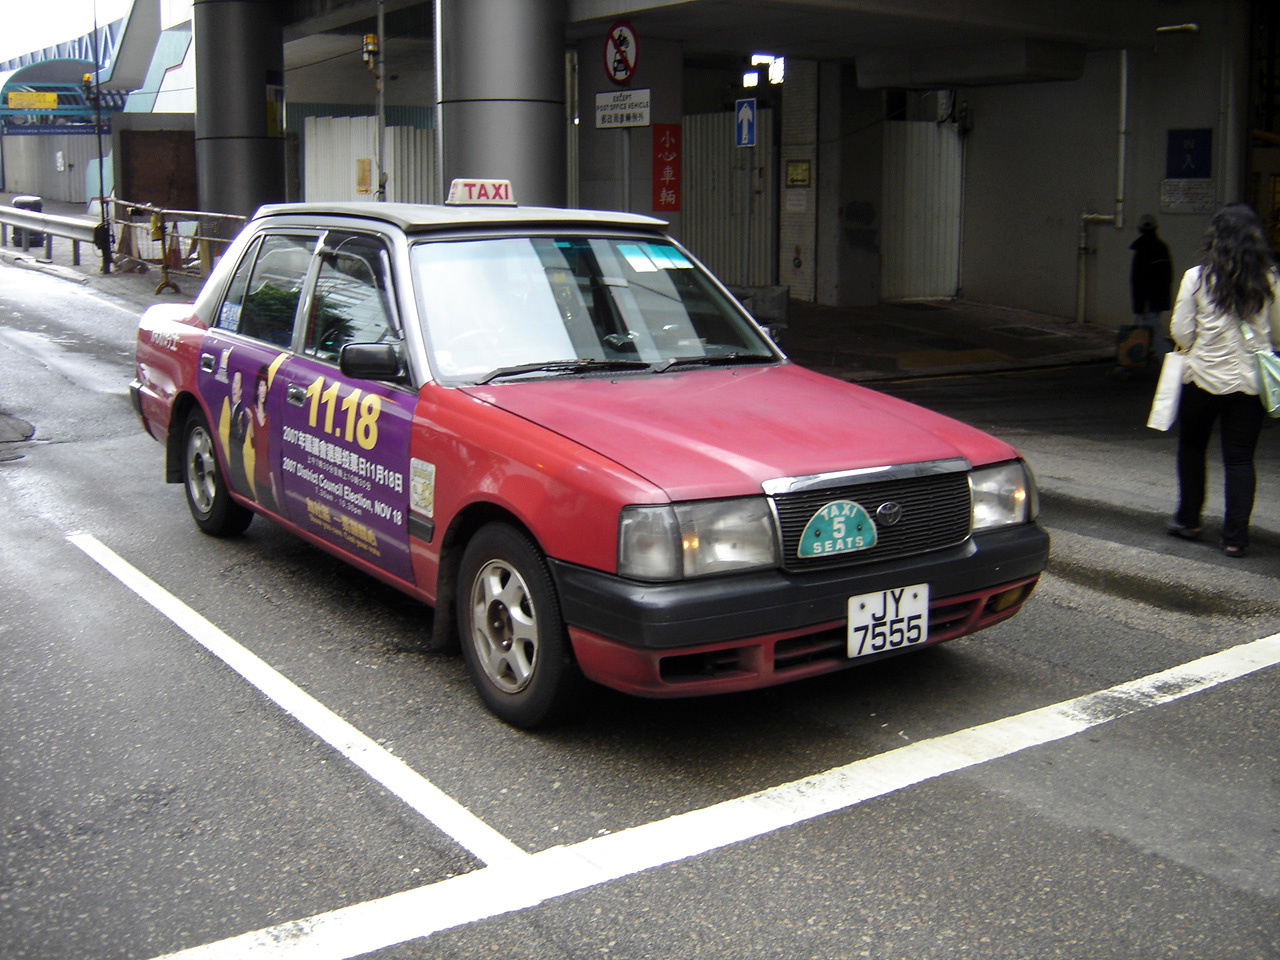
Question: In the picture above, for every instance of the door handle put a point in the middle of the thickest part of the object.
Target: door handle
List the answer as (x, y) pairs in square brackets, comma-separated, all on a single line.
[(207, 362), (296, 395)]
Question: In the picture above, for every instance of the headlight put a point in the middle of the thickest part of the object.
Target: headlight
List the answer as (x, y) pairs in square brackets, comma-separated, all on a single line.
[(671, 541), (1003, 496)]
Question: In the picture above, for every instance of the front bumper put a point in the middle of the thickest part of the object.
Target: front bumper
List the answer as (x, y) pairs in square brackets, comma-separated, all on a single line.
[(755, 630)]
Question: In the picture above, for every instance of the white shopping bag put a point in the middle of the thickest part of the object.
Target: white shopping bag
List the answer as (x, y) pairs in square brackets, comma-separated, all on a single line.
[(1164, 409)]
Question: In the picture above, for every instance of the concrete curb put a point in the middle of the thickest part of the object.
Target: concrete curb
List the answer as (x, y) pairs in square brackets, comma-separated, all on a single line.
[(28, 262), (1170, 581)]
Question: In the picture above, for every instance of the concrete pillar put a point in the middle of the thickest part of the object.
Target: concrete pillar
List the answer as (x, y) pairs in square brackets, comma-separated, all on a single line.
[(500, 86), (239, 104)]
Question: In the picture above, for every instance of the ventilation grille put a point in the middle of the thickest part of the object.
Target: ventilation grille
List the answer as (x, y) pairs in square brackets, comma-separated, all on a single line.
[(935, 514)]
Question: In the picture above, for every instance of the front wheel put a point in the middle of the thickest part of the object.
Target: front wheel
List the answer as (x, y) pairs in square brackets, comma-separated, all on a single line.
[(513, 637), (211, 505)]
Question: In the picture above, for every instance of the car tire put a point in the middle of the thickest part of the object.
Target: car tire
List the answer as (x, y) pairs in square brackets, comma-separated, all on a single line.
[(513, 638), (212, 508)]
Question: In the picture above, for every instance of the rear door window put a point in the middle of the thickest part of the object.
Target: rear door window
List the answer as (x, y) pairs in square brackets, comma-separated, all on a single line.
[(262, 299)]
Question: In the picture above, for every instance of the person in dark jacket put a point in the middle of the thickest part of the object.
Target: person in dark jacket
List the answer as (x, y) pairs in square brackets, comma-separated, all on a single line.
[(1151, 284)]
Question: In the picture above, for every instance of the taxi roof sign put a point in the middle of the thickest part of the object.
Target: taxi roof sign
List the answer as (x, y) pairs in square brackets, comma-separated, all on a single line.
[(485, 192)]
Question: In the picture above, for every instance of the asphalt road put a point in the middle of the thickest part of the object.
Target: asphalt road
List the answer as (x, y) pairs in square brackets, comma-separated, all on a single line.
[(1096, 778)]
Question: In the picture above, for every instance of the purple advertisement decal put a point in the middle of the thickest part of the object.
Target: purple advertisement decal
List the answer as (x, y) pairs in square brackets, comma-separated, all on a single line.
[(344, 456)]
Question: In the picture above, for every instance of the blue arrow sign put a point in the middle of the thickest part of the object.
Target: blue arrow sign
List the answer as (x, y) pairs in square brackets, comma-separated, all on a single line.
[(744, 122)]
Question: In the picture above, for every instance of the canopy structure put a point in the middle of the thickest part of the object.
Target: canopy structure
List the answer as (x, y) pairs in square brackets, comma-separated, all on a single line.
[(49, 83), (51, 94)]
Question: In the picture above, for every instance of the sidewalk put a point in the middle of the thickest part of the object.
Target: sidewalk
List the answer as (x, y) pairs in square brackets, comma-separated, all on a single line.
[(1126, 476)]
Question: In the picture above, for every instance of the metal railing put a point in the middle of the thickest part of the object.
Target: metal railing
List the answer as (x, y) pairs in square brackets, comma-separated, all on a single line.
[(27, 224), (178, 242)]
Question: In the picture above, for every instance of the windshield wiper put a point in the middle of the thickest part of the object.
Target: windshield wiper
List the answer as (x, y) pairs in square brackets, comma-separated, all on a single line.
[(713, 360), (580, 365)]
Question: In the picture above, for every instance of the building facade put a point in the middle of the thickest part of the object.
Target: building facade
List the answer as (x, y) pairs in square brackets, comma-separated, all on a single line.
[(997, 151)]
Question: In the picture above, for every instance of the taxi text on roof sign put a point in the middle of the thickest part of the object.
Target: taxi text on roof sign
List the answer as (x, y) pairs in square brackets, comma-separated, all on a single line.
[(481, 191)]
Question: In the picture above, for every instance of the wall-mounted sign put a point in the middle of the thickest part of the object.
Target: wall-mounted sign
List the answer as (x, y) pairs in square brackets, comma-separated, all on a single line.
[(799, 173), (1188, 185), (623, 108), (744, 122), (1189, 154), (620, 52), (1188, 196), (32, 100), (666, 167)]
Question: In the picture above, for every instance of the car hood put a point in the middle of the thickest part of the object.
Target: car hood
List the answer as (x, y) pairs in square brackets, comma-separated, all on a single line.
[(723, 432)]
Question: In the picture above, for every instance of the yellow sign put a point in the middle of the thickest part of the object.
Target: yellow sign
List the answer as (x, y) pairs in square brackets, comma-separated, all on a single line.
[(364, 175), (29, 100)]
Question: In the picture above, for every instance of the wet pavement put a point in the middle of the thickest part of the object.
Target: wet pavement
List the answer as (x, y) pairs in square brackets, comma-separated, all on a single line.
[(936, 337)]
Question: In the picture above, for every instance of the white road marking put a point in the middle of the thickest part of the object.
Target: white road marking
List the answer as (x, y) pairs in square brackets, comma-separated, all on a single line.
[(447, 814), (524, 883)]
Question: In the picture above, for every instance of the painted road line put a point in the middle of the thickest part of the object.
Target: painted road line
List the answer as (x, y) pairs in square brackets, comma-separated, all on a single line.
[(518, 885), (447, 814)]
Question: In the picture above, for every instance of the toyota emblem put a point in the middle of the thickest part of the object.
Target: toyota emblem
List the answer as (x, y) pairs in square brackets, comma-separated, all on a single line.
[(889, 513)]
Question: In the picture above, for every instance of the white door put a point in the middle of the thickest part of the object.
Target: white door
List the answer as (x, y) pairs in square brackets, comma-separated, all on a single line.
[(920, 240), (730, 198)]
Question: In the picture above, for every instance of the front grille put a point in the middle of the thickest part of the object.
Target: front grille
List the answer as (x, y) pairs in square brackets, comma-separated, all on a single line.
[(935, 514)]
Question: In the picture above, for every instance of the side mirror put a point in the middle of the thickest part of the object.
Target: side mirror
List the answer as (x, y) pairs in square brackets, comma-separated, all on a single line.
[(775, 332), (369, 361)]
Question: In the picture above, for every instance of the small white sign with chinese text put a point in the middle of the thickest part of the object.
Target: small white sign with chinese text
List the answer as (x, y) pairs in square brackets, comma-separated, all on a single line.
[(622, 108)]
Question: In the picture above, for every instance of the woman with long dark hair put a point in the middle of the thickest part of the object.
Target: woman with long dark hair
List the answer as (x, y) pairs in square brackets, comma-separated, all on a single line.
[(1236, 284)]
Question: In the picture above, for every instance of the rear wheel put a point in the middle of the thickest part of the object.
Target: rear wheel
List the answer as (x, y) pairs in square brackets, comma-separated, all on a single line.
[(513, 637), (211, 505)]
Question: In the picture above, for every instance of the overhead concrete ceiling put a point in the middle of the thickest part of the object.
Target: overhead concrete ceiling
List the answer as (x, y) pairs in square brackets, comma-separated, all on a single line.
[(846, 29), (905, 43)]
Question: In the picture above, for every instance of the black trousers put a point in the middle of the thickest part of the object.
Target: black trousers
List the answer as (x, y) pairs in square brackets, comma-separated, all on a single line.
[(1241, 421)]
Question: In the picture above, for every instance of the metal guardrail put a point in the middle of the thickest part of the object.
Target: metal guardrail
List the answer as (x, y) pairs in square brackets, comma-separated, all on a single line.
[(184, 242), (28, 223)]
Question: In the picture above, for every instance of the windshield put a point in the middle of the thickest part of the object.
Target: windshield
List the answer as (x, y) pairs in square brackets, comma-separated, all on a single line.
[(525, 305)]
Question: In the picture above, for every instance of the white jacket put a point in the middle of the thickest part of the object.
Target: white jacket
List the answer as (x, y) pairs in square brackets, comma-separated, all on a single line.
[(1218, 359)]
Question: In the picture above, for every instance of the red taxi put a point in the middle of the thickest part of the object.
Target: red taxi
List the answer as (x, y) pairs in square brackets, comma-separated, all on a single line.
[(559, 430)]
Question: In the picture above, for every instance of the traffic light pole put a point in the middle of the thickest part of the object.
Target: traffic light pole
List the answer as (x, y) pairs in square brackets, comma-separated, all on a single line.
[(102, 238)]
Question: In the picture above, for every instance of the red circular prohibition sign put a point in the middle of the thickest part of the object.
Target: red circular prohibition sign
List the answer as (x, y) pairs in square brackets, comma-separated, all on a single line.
[(620, 50)]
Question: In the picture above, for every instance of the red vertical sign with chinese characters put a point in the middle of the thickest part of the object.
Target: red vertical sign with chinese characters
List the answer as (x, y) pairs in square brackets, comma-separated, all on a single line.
[(666, 167)]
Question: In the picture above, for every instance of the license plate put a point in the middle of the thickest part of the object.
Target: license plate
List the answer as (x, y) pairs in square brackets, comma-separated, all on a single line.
[(888, 620)]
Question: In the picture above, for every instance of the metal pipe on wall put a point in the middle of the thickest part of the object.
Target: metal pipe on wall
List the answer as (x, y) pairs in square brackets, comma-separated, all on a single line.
[(1116, 218)]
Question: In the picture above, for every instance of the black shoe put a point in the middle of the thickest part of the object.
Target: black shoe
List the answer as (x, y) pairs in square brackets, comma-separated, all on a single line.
[(1233, 551), (1182, 531)]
